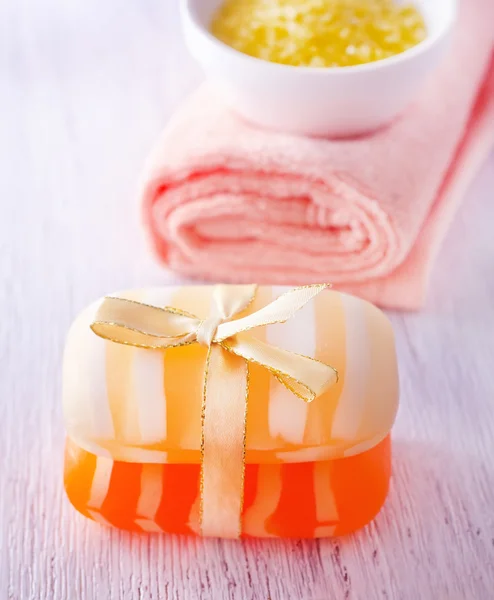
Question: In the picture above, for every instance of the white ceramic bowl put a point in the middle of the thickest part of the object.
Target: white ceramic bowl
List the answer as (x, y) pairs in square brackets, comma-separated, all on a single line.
[(317, 101)]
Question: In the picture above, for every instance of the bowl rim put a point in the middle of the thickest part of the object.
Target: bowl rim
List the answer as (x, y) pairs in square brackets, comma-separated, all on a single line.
[(189, 15)]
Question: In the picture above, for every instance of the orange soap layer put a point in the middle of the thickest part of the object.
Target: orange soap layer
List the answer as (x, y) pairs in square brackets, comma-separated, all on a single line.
[(301, 500)]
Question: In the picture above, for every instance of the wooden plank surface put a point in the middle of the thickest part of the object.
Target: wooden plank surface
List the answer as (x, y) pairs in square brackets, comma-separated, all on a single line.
[(85, 87)]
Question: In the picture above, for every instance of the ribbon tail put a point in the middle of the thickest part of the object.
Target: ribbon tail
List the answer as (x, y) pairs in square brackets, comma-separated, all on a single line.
[(278, 311), (305, 377), (224, 413)]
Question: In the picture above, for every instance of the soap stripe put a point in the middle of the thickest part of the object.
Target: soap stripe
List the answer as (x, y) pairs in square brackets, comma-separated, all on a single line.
[(95, 389), (119, 376), (149, 397), (184, 376), (326, 509), (120, 503), (85, 396), (79, 469), (349, 412), (120, 386), (99, 518), (148, 377), (377, 417), (330, 349), (287, 412), (269, 483), (295, 514), (258, 434), (250, 488), (193, 522), (179, 509), (100, 486), (150, 497)]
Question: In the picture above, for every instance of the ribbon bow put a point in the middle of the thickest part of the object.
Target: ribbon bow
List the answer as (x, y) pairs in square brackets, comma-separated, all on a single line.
[(226, 379)]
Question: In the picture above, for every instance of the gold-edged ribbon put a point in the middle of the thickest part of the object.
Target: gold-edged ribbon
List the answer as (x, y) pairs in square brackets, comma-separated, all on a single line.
[(226, 378)]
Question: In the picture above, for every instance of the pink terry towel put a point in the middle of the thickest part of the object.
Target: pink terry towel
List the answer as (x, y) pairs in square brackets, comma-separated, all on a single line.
[(226, 201)]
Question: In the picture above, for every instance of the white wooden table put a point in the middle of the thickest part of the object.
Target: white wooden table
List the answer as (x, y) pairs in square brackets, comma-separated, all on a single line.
[(85, 87)]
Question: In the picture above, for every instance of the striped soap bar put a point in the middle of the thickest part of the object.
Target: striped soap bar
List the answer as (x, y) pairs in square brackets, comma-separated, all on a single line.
[(133, 420)]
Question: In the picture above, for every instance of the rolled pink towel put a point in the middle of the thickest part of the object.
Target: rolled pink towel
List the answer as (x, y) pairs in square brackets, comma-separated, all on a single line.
[(226, 201)]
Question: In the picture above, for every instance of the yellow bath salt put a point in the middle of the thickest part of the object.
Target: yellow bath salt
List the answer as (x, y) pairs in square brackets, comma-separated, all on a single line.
[(319, 33)]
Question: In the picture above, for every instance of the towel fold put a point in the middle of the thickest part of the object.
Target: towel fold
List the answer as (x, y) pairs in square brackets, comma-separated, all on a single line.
[(226, 201)]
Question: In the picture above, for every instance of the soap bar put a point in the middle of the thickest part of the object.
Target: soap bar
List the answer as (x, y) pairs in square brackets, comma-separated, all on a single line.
[(133, 418)]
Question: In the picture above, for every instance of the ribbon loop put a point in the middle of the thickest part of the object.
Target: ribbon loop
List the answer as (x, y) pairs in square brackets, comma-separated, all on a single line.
[(226, 384), (134, 324), (229, 300)]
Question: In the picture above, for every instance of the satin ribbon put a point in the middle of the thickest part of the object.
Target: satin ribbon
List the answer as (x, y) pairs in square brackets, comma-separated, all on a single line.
[(226, 382)]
